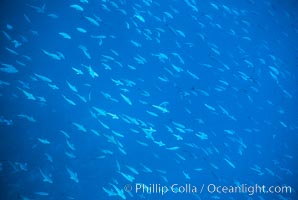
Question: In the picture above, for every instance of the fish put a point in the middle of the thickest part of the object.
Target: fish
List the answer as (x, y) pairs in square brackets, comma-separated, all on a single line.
[(92, 21), (92, 73), (77, 7), (55, 56), (127, 176), (44, 141), (85, 51), (209, 107), (126, 99), (172, 148), (8, 68), (80, 127), (38, 9), (161, 107), (46, 177), (29, 118), (73, 175), (28, 95), (78, 71), (65, 35), (42, 193), (72, 87), (81, 30), (43, 78), (230, 163), (71, 102)]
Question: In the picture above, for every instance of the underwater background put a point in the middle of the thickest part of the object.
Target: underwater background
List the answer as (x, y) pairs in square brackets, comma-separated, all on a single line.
[(120, 99)]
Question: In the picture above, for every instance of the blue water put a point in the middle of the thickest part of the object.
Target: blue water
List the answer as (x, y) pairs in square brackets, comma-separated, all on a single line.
[(100, 97)]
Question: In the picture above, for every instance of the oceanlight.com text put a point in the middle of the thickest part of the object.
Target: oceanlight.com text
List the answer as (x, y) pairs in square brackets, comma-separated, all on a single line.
[(160, 189)]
